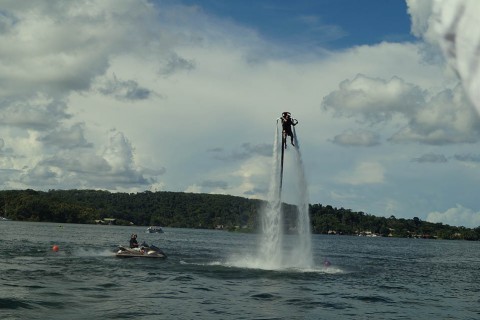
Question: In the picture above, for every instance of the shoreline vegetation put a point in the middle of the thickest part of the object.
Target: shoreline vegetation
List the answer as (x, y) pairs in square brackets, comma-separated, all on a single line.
[(206, 211)]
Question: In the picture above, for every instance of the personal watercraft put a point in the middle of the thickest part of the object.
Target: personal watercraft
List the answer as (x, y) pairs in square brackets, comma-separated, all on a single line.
[(144, 251)]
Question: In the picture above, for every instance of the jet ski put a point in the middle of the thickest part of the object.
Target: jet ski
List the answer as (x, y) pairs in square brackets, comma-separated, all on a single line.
[(144, 251)]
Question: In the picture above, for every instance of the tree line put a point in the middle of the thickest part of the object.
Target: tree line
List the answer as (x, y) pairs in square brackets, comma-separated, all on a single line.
[(207, 211)]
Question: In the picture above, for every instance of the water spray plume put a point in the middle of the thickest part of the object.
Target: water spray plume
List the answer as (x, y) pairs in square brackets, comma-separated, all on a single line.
[(271, 252)]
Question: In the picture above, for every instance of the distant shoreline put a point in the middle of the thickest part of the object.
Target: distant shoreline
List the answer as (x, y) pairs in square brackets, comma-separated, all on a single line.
[(207, 211)]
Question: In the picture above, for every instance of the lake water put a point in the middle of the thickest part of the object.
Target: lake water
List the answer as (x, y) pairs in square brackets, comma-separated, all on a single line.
[(203, 277)]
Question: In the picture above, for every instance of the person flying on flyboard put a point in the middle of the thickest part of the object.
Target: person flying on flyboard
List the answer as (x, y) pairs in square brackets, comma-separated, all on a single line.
[(287, 123)]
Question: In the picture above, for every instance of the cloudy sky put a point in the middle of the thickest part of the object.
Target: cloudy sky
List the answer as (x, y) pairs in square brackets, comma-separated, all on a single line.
[(134, 95)]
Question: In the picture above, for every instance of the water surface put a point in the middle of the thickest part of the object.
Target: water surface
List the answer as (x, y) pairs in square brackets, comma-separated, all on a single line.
[(208, 276)]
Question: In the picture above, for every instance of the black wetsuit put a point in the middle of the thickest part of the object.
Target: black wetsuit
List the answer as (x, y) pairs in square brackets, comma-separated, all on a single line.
[(287, 124), (133, 243)]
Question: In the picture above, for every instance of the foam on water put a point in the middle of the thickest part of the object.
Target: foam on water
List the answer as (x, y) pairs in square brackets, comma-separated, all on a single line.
[(252, 262), (83, 252)]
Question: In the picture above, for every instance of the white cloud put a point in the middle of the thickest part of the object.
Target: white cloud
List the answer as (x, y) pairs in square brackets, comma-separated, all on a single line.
[(73, 137), (50, 50), (446, 118), (124, 89), (365, 173), (452, 27), (431, 158), (364, 138), (55, 47), (456, 25), (37, 113), (176, 63), (458, 216), (420, 12), (246, 151), (374, 99), (194, 99), (468, 157)]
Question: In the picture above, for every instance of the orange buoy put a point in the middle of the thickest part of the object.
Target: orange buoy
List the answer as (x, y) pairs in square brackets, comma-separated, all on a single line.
[(55, 248)]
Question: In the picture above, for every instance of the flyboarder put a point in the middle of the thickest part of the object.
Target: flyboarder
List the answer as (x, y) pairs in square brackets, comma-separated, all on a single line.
[(287, 123)]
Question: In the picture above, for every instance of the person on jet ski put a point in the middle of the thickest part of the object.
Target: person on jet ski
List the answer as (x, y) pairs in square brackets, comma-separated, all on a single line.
[(133, 241), (287, 123)]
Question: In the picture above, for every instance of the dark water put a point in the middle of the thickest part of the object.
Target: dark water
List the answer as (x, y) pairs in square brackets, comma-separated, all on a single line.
[(370, 278)]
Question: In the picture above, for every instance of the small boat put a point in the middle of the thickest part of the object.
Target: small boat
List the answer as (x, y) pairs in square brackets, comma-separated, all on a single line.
[(144, 251), (154, 230)]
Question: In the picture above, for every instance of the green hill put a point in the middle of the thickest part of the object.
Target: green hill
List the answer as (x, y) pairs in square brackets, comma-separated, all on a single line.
[(208, 211)]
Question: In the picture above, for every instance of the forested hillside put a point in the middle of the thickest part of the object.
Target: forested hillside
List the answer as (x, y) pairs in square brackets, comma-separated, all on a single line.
[(191, 210)]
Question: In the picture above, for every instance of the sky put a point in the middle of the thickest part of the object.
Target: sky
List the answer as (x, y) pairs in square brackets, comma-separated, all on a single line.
[(136, 95)]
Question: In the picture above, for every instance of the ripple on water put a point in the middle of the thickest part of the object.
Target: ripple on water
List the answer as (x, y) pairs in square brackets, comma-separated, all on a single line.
[(373, 299), (13, 303), (199, 280), (319, 301), (265, 296)]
